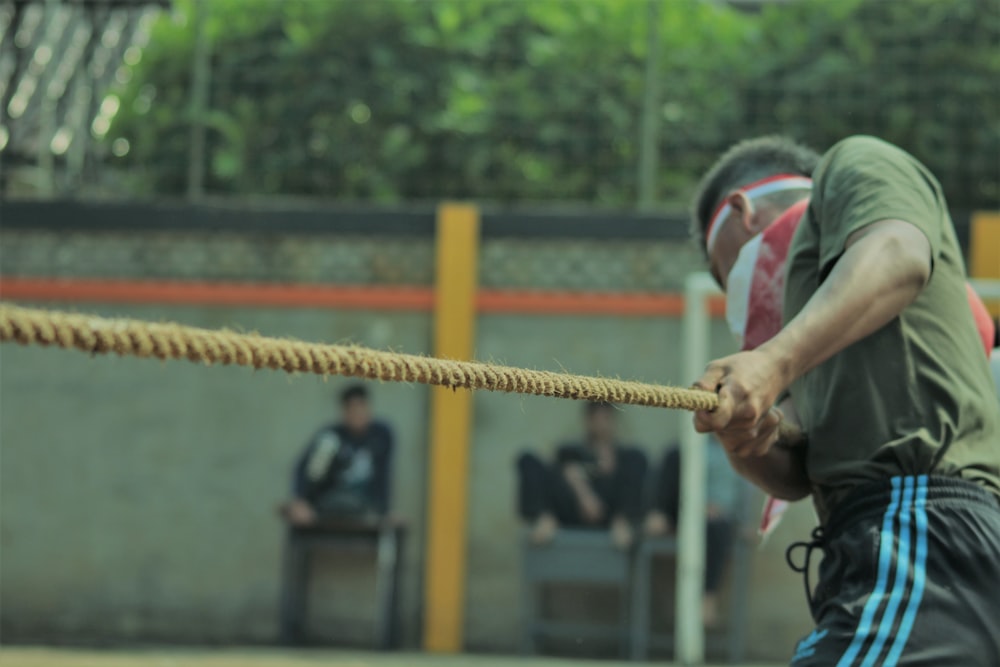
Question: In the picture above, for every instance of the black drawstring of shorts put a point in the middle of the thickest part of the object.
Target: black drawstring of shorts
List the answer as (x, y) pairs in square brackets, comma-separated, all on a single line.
[(818, 541)]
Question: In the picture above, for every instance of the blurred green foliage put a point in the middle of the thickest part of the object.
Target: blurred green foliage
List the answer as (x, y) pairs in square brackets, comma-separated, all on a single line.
[(509, 100)]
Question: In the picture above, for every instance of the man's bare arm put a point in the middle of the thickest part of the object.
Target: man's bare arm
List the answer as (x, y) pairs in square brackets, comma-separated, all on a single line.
[(781, 472), (883, 269)]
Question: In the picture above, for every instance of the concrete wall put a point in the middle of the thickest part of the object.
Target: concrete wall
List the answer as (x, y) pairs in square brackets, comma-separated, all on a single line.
[(138, 497)]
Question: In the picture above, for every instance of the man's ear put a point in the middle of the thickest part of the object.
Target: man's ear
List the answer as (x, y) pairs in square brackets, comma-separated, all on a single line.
[(743, 208)]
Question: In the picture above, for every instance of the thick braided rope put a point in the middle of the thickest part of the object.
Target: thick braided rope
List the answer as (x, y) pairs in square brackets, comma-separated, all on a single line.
[(99, 335)]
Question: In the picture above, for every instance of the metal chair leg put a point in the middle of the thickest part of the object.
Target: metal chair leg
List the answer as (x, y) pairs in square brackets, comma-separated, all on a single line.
[(625, 611), (395, 620), (385, 587), (740, 594), (295, 574), (641, 582), (529, 604)]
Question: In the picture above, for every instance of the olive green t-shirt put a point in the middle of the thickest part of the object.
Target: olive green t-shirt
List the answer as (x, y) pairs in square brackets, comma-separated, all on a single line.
[(916, 396)]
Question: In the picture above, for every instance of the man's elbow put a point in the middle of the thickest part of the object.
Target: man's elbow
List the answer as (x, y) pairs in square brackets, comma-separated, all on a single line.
[(904, 247), (913, 260)]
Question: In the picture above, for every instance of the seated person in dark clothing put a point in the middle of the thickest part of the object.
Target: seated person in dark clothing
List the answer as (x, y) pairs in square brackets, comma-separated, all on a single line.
[(722, 497), (995, 359), (344, 470), (597, 483)]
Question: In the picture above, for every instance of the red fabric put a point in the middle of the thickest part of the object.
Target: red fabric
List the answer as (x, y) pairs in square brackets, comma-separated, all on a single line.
[(764, 312), (749, 186), (767, 290), (984, 323)]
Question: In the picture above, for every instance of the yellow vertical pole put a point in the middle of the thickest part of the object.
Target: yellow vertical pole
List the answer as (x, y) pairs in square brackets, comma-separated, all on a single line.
[(450, 429), (984, 242)]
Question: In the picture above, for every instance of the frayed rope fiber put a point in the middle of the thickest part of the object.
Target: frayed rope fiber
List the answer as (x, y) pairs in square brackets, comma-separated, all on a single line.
[(98, 335)]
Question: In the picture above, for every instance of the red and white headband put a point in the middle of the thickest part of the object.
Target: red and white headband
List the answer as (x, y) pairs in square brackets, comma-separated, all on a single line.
[(765, 186)]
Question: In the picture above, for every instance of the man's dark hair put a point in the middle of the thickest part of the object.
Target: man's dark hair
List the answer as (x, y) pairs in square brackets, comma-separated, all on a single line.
[(354, 392), (593, 407), (746, 162)]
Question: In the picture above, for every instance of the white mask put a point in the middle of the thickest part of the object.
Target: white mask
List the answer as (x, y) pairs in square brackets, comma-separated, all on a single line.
[(738, 286)]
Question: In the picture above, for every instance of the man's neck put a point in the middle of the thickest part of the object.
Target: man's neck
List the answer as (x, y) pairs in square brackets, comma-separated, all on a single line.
[(357, 433)]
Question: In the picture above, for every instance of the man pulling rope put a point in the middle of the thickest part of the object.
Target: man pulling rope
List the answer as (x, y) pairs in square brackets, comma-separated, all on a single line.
[(880, 361)]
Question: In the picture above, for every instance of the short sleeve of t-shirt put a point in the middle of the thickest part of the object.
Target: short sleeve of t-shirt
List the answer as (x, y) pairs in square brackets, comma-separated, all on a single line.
[(863, 180)]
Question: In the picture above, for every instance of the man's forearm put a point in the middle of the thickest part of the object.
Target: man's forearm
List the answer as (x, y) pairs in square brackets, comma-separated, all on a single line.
[(781, 472), (577, 479), (872, 282)]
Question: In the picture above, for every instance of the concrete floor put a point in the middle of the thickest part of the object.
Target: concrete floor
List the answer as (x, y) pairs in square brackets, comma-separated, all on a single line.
[(263, 657)]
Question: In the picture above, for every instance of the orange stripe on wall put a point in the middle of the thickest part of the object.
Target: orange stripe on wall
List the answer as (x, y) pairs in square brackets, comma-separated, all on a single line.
[(218, 294), (624, 304), (537, 302)]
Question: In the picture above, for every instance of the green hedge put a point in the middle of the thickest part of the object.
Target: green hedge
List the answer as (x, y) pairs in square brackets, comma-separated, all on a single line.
[(507, 100)]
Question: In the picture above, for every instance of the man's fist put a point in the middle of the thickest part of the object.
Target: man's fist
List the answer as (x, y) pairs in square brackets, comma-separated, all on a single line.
[(300, 513), (748, 384)]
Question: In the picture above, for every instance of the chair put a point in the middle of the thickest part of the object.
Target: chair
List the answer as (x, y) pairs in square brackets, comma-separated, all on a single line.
[(585, 557), (384, 538), (648, 550)]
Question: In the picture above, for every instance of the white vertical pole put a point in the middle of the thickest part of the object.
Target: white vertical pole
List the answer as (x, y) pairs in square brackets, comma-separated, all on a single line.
[(690, 633)]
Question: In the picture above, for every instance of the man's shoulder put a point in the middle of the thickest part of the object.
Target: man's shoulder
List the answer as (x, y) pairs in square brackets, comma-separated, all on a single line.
[(381, 427), (862, 180), (863, 155), (631, 449), (380, 434), (862, 144), (328, 430)]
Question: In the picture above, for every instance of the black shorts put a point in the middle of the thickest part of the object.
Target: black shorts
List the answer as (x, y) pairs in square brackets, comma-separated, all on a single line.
[(910, 576)]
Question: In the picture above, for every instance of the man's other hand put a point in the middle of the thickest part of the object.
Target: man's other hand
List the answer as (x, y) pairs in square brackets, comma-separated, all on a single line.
[(754, 440), (299, 512), (748, 384)]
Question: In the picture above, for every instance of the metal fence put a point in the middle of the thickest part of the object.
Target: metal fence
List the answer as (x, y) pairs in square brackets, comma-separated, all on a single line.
[(593, 252), (610, 104)]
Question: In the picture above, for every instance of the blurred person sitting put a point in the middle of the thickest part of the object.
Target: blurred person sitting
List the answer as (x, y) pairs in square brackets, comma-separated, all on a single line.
[(344, 471), (721, 512), (995, 356), (596, 483)]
